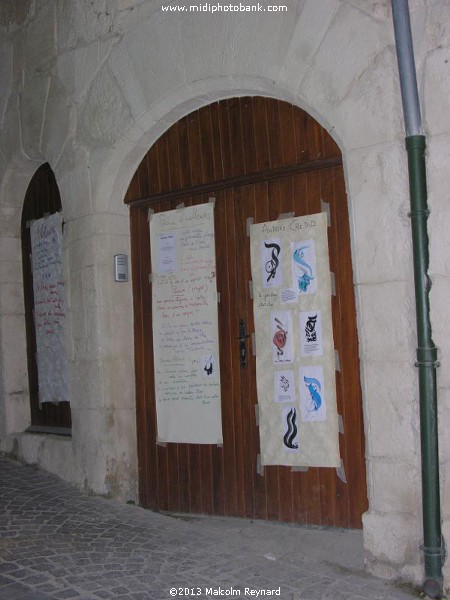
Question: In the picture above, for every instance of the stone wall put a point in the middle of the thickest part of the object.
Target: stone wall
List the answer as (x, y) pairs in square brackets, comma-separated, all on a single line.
[(89, 85)]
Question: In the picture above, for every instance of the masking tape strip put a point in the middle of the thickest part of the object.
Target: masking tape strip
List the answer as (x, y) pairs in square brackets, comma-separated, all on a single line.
[(219, 444), (325, 207), (337, 362), (259, 465), (160, 442), (180, 206), (288, 215), (299, 469), (249, 222), (212, 200), (218, 296), (150, 214), (333, 283), (340, 471)]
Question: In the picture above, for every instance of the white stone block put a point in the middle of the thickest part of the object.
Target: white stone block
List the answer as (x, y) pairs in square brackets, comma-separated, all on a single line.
[(17, 413), (10, 271), (392, 542), (78, 67), (105, 112), (373, 100), (438, 24), (11, 299), (120, 382), (121, 462), (59, 122), (392, 411), (6, 66), (337, 65), (10, 221), (379, 205), (13, 354), (310, 29), (32, 109), (378, 9), (82, 22), (116, 332), (386, 322), (73, 178), (443, 403), (395, 486), (438, 149), (113, 293), (440, 317), (40, 39), (81, 253), (436, 111), (227, 51), (124, 73), (10, 138), (87, 385), (155, 49)]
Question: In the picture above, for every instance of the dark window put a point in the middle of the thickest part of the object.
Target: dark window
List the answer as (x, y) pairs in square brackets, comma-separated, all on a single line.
[(42, 198)]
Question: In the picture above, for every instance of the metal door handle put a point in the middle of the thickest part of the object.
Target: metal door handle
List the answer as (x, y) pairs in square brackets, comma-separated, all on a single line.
[(242, 339)]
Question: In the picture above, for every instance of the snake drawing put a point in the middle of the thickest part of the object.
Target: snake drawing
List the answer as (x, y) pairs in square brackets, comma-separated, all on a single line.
[(291, 432), (272, 264), (314, 388), (306, 275)]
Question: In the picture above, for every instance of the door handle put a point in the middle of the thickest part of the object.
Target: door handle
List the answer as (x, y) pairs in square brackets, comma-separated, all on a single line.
[(242, 339)]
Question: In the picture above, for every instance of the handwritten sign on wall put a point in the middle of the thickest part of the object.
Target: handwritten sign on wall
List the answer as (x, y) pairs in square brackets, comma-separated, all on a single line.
[(185, 328), (295, 358), (49, 307)]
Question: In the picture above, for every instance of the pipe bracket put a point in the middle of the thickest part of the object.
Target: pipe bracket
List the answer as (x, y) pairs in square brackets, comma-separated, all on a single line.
[(437, 551), (419, 213), (427, 363)]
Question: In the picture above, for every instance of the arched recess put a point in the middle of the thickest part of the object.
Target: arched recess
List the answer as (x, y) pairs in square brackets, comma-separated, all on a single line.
[(259, 158), (41, 199)]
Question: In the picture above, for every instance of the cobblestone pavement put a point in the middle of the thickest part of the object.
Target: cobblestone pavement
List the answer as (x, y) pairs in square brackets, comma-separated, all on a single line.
[(56, 542)]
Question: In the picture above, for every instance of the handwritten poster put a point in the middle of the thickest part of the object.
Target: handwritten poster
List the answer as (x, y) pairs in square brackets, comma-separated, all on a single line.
[(185, 327), (50, 312), (295, 358)]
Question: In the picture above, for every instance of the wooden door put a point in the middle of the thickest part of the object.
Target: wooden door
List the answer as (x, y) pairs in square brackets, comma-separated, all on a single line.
[(224, 480)]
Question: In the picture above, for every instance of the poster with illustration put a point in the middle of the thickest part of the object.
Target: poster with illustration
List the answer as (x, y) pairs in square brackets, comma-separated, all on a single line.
[(272, 273), (295, 359), (311, 336), (312, 394), (282, 337), (284, 386), (185, 326), (50, 310), (304, 272)]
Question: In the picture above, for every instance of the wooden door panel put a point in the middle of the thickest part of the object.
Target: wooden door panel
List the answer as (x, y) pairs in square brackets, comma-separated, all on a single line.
[(229, 139)]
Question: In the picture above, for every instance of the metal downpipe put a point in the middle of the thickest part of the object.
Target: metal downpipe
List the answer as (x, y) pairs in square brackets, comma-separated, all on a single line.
[(426, 351)]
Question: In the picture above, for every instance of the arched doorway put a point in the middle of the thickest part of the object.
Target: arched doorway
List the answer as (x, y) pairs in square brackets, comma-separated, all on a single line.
[(41, 199), (258, 158)]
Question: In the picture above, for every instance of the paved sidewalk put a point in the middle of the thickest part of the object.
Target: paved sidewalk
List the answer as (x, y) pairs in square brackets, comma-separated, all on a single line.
[(56, 542)]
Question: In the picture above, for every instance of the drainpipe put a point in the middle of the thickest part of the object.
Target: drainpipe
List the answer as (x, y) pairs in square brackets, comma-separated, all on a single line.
[(426, 363)]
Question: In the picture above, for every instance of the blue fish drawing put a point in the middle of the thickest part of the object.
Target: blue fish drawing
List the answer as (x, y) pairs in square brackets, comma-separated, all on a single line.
[(314, 388), (306, 275)]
